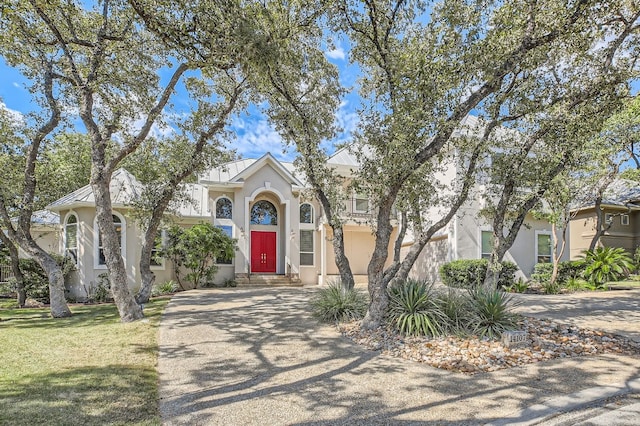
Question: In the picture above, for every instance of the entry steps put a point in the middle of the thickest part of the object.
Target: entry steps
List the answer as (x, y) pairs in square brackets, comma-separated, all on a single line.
[(271, 280)]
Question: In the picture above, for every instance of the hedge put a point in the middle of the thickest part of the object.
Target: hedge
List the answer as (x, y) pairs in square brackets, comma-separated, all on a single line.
[(469, 273), (566, 269)]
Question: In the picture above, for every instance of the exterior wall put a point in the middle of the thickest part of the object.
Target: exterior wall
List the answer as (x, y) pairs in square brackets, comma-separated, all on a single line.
[(468, 245), (264, 184), (359, 243), (435, 254), (89, 273), (583, 229)]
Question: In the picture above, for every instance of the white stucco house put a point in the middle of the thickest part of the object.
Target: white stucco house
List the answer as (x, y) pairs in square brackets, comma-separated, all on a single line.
[(281, 231)]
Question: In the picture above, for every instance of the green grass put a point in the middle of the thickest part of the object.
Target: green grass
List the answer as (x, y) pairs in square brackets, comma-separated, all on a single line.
[(89, 369)]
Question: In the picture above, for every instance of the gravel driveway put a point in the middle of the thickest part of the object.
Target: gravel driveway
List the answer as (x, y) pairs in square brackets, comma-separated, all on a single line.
[(255, 357)]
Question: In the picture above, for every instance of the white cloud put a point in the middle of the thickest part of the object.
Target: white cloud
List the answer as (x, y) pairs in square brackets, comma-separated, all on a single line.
[(336, 53), (16, 116), (256, 137), (16, 84)]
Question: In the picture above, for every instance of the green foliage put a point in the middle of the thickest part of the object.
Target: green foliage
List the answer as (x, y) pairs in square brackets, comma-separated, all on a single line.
[(336, 303), (578, 284), (492, 312), (567, 270), (167, 287), (196, 249), (36, 281), (606, 264), (414, 309), (518, 286), (470, 273), (456, 310), (636, 259)]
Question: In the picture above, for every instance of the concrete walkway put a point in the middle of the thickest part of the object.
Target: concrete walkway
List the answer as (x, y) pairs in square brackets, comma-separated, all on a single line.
[(255, 357)]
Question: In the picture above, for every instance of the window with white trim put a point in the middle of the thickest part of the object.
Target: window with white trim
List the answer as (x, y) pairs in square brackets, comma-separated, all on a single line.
[(306, 247), (306, 213), (119, 224), (222, 259), (543, 247), (360, 203), (486, 244), (224, 208), (71, 237), (608, 218), (624, 220)]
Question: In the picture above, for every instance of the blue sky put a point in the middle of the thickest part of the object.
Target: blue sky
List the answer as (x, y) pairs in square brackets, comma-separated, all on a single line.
[(254, 135)]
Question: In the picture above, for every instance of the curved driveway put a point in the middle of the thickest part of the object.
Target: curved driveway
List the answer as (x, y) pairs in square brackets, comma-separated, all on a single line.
[(255, 357)]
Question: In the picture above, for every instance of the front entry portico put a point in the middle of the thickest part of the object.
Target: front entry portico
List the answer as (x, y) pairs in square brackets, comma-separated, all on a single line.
[(263, 252)]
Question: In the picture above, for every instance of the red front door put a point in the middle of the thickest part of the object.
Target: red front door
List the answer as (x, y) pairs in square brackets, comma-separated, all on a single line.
[(263, 252)]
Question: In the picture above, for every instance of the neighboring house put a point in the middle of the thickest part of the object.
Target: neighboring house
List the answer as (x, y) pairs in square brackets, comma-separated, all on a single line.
[(620, 219)]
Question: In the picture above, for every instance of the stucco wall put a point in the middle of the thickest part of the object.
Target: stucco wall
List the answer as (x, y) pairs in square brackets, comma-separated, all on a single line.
[(583, 228), (468, 227), (433, 256)]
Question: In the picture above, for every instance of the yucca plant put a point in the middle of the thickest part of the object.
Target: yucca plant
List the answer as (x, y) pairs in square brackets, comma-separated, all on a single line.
[(606, 264), (335, 303), (414, 309), (455, 307), (492, 312)]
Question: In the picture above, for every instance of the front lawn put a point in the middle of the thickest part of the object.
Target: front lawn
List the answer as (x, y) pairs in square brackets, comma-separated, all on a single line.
[(89, 369)]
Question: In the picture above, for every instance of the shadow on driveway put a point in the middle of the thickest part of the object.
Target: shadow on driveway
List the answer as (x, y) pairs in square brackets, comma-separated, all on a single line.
[(256, 357)]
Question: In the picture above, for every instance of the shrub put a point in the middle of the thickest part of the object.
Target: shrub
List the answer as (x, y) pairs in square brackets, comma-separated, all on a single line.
[(36, 281), (455, 308), (566, 270), (166, 287), (519, 286), (414, 309), (470, 273), (492, 312), (606, 264), (335, 303)]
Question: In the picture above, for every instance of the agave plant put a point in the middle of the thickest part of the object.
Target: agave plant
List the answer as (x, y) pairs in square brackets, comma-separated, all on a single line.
[(606, 264), (414, 309), (336, 303), (492, 312)]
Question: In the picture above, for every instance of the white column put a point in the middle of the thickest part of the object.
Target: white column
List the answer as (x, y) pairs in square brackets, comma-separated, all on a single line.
[(323, 255)]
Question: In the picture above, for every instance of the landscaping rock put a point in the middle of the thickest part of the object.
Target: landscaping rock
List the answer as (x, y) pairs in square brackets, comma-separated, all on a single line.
[(546, 340)]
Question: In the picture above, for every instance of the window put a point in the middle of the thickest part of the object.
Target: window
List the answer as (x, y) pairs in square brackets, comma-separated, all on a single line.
[(222, 259), (118, 223), (608, 218), (306, 248), (306, 213), (487, 244), (71, 237), (624, 220), (224, 208), (156, 259), (360, 204), (543, 248), (264, 213)]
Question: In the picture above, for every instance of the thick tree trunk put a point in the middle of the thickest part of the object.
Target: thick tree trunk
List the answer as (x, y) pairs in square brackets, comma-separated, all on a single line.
[(57, 301), (342, 262), (128, 309), (599, 221), (148, 243), (375, 271)]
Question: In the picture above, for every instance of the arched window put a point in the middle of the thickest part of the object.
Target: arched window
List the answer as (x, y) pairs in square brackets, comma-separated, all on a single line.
[(71, 237), (224, 208), (306, 213), (119, 225), (264, 213)]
